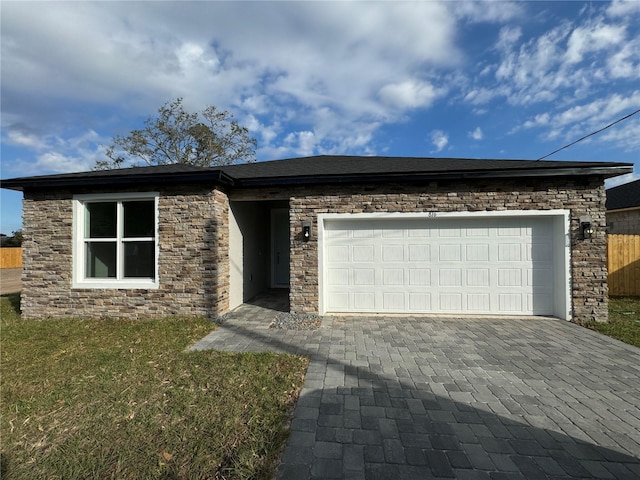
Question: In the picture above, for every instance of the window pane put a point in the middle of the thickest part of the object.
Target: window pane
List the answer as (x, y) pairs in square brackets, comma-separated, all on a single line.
[(139, 259), (100, 220), (101, 260), (138, 219)]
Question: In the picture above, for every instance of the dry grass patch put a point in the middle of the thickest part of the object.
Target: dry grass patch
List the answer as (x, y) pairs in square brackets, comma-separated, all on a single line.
[(122, 399)]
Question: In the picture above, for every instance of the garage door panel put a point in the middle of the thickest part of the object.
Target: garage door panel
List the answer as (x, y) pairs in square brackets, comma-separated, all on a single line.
[(338, 253), (477, 252), (393, 276), (420, 302), (539, 252), (477, 232), (339, 301), (365, 233), (362, 253), (364, 301), (450, 277), (451, 302), (477, 277), (419, 232), (449, 232), (363, 276), (338, 276), (419, 253), (393, 301), (484, 266), (419, 277), (509, 252), (478, 302), (539, 277), (510, 302), (448, 253), (514, 231), (509, 277), (393, 253), (393, 233)]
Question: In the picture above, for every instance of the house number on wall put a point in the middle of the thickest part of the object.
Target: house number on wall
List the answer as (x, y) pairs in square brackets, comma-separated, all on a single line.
[(432, 214)]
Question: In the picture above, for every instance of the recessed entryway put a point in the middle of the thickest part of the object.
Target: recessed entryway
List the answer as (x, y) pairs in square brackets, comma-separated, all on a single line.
[(258, 248)]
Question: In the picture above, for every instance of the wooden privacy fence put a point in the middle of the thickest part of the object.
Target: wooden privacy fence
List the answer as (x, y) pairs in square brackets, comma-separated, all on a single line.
[(10, 257), (623, 263)]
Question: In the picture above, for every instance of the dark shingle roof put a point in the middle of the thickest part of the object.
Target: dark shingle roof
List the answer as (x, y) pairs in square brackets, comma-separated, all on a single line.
[(174, 173), (624, 196), (342, 165), (325, 169)]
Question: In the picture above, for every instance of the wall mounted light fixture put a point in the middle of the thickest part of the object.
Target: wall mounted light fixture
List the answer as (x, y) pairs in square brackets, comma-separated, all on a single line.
[(306, 231), (586, 227)]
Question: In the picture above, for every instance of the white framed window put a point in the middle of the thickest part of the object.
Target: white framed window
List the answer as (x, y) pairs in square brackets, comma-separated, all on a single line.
[(115, 241)]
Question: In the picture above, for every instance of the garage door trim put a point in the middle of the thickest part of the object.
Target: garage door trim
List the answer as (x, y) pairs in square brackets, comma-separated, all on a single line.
[(561, 245)]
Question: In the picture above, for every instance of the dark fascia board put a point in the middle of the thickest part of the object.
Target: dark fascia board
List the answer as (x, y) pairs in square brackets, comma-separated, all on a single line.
[(216, 177), (604, 171)]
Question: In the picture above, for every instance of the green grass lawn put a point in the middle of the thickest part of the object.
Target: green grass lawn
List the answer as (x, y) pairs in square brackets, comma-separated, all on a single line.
[(624, 320), (122, 399)]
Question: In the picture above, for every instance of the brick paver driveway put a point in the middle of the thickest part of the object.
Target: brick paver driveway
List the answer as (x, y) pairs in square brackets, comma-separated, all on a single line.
[(417, 398)]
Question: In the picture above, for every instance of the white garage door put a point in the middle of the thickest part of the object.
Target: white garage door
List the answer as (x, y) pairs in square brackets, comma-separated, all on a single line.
[(500, 265)]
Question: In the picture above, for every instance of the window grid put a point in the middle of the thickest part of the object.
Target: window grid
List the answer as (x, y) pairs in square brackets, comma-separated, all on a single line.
[(82, 253)]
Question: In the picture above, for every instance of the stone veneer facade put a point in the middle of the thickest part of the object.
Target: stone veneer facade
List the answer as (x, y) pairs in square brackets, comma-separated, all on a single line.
[(193, 259), (194, 242)]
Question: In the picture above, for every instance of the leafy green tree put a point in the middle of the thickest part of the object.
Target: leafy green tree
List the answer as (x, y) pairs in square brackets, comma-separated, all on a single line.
[(15, 240), (207, 138)]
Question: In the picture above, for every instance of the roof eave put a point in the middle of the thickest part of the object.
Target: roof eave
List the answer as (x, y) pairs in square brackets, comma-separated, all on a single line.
[(217, 177), (606, 172)]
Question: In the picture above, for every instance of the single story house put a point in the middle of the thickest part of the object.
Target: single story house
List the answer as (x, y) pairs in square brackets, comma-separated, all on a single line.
[(623, 209), (345, 234)]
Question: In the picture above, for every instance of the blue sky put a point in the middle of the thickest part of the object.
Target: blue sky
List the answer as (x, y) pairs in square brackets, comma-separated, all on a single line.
[(452, 79)]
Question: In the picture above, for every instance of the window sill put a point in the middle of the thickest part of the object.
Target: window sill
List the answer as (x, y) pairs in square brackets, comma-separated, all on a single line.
[(116, 284)]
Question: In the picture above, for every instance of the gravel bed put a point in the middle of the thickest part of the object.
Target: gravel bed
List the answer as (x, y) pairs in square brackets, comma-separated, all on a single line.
[(292, 321), (220, 320)]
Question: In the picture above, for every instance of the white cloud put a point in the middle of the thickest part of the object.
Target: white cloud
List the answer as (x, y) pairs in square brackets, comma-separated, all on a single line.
[(508, 37), (25, 139), (622, 8), (625, 136), (538, 120), (301, 143), (142, 54), (579, 120), (409, 94), (626, 62), (439, 139), (589, 39), (572, 58), (55, 154), (476, 134), (482, 96), (59, 162), (487, 10)]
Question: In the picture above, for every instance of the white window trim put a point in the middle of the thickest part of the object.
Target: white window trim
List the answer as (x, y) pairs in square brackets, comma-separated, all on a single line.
[(563, 307), (79, 280)]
